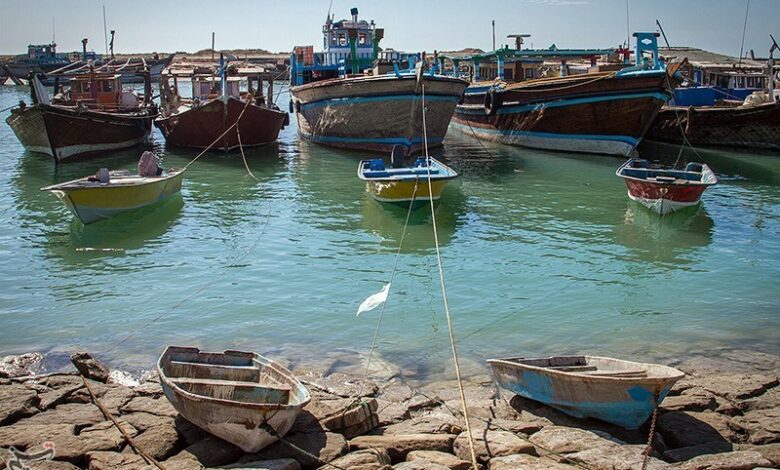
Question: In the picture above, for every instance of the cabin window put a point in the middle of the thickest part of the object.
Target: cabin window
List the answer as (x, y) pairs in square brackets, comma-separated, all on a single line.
[(509, 74), (334, 40), (362, 39), (751, 82), (342, 39), (529, 73), (108, 86)]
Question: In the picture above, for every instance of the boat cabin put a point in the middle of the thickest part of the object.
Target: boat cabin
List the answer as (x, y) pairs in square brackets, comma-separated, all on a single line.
[(209, 87), (104, 89)]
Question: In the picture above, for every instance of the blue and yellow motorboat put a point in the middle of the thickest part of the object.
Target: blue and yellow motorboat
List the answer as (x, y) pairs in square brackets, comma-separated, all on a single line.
[(404, 185)]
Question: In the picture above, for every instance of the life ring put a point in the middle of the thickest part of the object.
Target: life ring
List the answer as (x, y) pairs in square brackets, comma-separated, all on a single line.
[(492, 102)]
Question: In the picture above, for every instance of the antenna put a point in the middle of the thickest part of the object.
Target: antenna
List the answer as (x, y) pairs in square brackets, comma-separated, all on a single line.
[(212, 46), (628, 28), (330, 7), (105, 31), (744, 28), (494, 35), (662, 34), (53, 30)]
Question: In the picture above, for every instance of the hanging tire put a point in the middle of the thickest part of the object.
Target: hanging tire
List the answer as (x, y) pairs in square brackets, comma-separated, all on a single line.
[(492, 102)]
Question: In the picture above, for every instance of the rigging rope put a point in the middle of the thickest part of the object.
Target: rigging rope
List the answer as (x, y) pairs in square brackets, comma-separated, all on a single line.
[(444, 291)]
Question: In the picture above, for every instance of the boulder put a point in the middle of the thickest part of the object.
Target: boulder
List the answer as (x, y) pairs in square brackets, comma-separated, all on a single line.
[(390, 412), (69, 446), (737, 460), (54, 397), (761, 426), (278, 464), (78, 414), (16, 402), (210, 452), (399, 445), (350, 417), (103, 460), (692, 399), (111, 396), (441, 458), (50, 465), (419, 465), (159, 406), (527, 462), (159, 441), (770, 452), (737, 386), (489, 444), (616, 457), (90, 367), (325, 446), (143, 421), (189, 431), (21, 365), (686, 453), (563, 440), (368, 459), (685, 429), (184, 460), (341, 385), (436, 423), (149, 389)]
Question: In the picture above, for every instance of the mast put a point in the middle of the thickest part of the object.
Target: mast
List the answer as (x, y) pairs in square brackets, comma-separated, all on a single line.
[(105, 30)]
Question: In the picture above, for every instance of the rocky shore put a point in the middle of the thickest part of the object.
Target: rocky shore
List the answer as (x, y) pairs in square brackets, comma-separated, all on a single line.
[(724, 415)]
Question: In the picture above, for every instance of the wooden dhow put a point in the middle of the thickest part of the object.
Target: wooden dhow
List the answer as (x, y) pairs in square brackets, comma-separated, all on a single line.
[(241, 397), (619, 392), (337, 104), (94, 115), (601, 112), (210, 119), (110, 193)]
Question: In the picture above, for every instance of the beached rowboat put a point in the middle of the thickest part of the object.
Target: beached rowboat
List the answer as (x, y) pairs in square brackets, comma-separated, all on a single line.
[(402, 185), (91, 200), (664, 189), (242, 397), (612, 390)]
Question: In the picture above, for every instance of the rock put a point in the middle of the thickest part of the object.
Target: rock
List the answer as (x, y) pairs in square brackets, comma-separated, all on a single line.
[(686, 453), (210, 452), (438, 423), (737, 386), (368, 459), (278, 464), (527, 462), (514, 426), (56, 381), (615, 457), (692, 399), (419, 465), (183, 461), (90, 367), (563, 440), (54, 397), (396, 392), (159, 406), (761, 426), (25, 436), (143, 421), (103, 460), (68, 413), (351, 417), (189, 431), (343, 386), (685, 429), (485, 409), (391, 412), (422, 402), (738, 460), (325, 446), (16, 402), (149, 389), (159, 441), (770, 452), (441, 458), (21, 365), (769, 400), (399, 445), (489, 444), (51, 465), (111, 396)]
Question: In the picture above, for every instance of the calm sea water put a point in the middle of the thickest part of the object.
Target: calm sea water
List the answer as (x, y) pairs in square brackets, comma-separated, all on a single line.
[(543, 254)]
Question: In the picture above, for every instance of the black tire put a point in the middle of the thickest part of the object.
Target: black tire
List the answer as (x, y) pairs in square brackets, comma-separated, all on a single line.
[(492, 102)]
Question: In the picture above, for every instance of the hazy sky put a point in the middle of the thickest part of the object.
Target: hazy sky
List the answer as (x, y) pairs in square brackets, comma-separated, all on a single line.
[(411, 25)]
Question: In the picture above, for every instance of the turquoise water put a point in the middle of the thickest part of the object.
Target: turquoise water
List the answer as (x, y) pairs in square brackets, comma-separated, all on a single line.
[(543, 254)]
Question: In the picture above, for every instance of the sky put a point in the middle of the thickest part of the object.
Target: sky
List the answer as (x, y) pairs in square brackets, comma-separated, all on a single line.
[(410, 25)]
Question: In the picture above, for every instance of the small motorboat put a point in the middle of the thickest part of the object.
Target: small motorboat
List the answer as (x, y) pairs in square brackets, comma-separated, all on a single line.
[(241, 397), (665, 189), (612, 390), (109, 193), (404, 185)]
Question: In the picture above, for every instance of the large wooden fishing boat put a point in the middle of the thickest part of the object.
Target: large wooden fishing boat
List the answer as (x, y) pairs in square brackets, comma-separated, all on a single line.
[(242, 397), (93, 116), (339, 105), (208, 119), (612, 390), (601, 112)]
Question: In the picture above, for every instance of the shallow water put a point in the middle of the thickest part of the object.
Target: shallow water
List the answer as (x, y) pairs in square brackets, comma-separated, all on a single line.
[(543, 254)]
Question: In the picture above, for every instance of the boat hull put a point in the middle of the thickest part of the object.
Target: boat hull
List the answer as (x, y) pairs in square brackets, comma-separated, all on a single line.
[(626, 402), (198, 127), (376, 113), (67, 134), (251, 426), (609, 115), (98, 203), (401, 192), (664, 198), (749, 127)]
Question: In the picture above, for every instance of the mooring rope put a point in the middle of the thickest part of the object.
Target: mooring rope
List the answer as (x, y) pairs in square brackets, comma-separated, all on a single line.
[(444, 291)]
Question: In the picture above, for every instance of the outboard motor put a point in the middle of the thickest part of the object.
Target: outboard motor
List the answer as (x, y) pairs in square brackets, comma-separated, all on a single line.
[(397, 157)]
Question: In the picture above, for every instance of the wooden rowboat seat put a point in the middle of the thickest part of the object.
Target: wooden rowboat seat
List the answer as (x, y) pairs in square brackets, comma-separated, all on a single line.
[(236, 390)]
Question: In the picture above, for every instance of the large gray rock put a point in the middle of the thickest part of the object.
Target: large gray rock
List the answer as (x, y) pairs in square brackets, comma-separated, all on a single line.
[(564, 440), (90, 367), (738, 460), (737, 386), (103, 460), (209, 452), (527, 462), (615, 457), (770, 452), (16, 402), (159, 406), (21, 365), (54, 397), (435, 423), (441, 458), (143, 421), (761, 426), (419, 465), (685, 429), (341, 385), (489, 444), (68, 413), (399, 445), (149, 389), (159, 441), (391, 412), (324, 446), (686, 453), (348, 416), (111, 396), (368, 459), (278, 464), (692, 399)]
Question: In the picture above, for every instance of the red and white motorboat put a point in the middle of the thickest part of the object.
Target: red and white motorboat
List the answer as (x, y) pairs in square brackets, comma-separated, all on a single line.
[(665, 189)]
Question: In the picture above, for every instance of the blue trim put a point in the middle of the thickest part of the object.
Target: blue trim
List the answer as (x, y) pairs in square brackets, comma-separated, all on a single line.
[(370, 140), (576, 101), (374, 99), (549, 135)]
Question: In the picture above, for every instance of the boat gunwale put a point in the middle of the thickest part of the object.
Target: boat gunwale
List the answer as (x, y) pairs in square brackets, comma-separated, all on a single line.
[(675, 375), (706, 171), (370, 78), (296, 384), (143, 181), (387, 179)]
